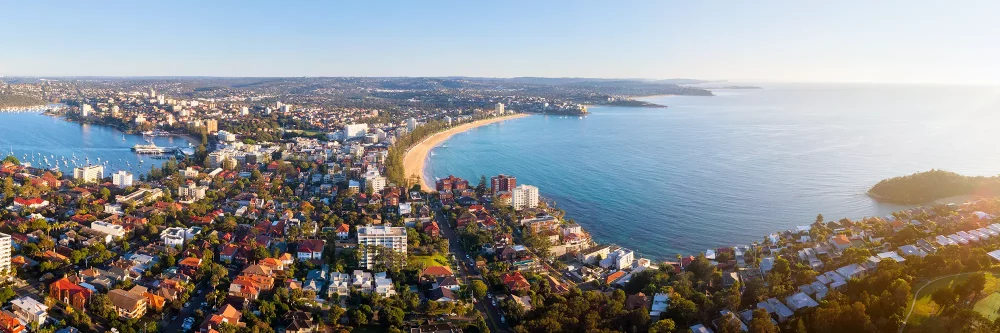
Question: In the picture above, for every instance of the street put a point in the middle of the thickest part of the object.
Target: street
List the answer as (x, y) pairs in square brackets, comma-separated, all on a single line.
[(482, 304)]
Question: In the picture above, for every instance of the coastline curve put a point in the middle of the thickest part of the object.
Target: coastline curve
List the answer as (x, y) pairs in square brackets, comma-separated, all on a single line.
[(415, 158)]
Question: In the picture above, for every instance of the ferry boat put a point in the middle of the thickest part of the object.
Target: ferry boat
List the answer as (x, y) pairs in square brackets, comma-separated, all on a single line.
[(150, 149)]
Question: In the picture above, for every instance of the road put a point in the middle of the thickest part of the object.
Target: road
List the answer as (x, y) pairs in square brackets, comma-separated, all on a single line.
[(201, 290), (482, 304)]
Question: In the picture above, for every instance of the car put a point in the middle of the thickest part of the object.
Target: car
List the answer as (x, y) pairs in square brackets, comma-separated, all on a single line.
[(503, 319), (173, 318), (204, 304), (187, 304)]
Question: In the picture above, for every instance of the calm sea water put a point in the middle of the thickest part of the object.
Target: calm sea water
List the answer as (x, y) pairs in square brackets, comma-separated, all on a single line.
[(730, 169), (32, 133)]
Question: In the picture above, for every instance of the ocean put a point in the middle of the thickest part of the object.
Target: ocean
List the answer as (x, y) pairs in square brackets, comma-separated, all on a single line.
[(32, 134), (730, 169)]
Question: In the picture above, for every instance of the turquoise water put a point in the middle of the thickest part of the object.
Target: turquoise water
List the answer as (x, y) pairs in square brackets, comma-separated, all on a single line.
[(730, 169), (33, 133)]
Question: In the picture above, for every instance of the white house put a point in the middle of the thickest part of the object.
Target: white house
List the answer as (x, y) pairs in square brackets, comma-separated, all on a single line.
[(30, 310), (114, 230)]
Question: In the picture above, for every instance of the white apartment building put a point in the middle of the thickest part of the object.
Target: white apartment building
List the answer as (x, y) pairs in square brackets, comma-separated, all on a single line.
[(122, 178), (374, 180), (114, 230), (355, 130), (499, 108), (389, 237), (30, 310), (192, 192), (5, 249), (524, 196), (90, 173)]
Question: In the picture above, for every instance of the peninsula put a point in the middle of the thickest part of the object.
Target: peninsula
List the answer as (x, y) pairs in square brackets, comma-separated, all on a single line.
[(416, 156), (924, 187), (10, 101)]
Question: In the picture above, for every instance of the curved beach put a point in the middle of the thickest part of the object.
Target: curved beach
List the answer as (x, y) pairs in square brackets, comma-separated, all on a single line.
[(416, 157)]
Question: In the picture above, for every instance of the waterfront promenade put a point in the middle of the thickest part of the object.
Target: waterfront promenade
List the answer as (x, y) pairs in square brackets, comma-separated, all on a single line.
[(416, 157)]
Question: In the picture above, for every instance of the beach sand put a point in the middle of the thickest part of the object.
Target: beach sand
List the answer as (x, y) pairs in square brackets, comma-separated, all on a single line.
[(415, 159)]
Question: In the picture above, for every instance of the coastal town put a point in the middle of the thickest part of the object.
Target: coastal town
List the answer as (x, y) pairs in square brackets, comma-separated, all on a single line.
[(290, 216)]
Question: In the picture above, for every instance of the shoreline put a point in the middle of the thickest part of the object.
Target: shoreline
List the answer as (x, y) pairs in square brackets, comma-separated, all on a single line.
[(415, 158)]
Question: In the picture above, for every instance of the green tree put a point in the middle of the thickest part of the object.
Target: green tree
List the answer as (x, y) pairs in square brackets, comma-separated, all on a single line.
[(478, 288), (944, 297), (761, 322), (663, 326)]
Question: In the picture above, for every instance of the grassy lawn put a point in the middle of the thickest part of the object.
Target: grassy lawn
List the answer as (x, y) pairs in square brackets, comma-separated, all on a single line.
[(925, 309), (434, 260), (988, 306)]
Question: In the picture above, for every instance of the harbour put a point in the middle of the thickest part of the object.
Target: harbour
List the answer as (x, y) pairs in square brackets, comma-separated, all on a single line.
[(53, 143)]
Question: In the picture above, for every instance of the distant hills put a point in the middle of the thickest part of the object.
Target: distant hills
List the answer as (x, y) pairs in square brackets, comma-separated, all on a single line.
[(924, 187)]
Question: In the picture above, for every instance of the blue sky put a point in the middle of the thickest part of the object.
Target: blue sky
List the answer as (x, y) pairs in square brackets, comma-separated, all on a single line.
[(808, 41)]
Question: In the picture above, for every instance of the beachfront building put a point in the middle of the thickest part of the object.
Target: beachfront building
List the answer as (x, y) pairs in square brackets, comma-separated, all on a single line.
[(122, 178), (90, 173), (499, 109), (524, 196), (388, 237), (502, 183)]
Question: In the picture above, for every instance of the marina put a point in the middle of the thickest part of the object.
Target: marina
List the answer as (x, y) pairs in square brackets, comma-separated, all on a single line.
[(53, 143)]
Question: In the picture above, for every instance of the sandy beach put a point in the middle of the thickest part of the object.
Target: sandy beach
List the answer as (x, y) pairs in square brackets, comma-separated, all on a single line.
[(416, 157)]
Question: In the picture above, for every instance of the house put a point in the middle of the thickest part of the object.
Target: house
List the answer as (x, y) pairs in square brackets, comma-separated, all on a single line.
[(340, 285), (441, 294), (614, 277), (70, 293), (227, 315), (800, 301), (362, 280), (383, 285), (700, 329), (128, 304), (840, 242), (436, 272), (851, 271), (343, 231), (9, 323), (30, 310), (447, 282), (515, 281), (299, 322), (33, 203), (660, 303), (775, 307), (311, 249), (729, 318)]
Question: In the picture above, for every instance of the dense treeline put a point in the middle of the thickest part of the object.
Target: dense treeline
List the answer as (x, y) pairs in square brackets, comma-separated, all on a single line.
[(10, 100), (394, 161), (931, 185)]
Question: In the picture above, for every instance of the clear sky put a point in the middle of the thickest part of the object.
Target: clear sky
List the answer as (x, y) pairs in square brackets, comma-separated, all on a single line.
[(814, 41)]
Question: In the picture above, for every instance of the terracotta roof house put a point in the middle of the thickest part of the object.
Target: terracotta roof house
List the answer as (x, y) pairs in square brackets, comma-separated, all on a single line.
[(515, 281), (437, 271), (70, 293), (9, 323)]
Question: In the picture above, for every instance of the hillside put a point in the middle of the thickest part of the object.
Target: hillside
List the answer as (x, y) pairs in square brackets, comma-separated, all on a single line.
[(924, 187), (9, 100)]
